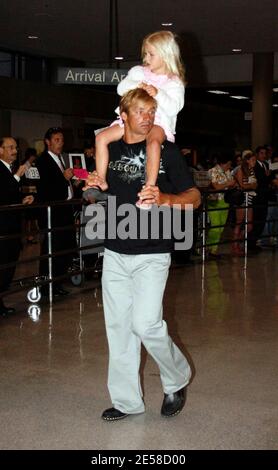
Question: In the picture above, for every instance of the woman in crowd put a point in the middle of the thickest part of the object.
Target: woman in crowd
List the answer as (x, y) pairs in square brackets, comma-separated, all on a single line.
[(246, 179), (221, 179)]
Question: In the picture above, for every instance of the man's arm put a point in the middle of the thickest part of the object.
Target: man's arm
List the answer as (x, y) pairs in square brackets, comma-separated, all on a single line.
[(152, 195)]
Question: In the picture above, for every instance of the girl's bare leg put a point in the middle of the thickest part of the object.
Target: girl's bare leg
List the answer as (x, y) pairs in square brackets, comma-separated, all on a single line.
[(103, 139), (155, 139)]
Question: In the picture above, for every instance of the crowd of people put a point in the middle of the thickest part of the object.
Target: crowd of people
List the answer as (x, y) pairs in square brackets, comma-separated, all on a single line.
[(254, 172)]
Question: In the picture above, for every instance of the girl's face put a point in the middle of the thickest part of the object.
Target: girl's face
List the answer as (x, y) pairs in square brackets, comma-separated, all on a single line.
[(252, 161), (153, 60)]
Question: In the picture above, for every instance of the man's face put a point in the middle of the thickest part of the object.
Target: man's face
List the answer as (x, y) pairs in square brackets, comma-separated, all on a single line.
[(226, 166), (140, 118), (55, 143), (262, 155), (252, 161), (8, 151), (90, 152)]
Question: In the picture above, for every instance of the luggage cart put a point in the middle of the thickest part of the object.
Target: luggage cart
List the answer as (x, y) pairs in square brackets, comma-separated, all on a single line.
[(88, 246)]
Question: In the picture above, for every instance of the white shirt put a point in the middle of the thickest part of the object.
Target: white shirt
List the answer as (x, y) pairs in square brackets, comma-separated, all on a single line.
[(58, 161), (170, 96), (16, 177)]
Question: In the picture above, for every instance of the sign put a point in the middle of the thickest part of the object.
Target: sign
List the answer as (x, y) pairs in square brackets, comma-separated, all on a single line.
[(88, 76), (32, 173)]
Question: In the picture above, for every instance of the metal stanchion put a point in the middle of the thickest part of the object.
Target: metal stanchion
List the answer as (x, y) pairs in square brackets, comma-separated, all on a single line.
[(246, 224), (49, 237), (204, 218)]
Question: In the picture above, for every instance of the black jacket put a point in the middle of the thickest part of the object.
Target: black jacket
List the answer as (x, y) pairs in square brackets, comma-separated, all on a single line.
[(10, 221), (263, 181), (52, 186)]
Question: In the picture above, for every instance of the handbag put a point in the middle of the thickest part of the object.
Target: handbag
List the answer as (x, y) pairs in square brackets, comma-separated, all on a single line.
[(234, 197)]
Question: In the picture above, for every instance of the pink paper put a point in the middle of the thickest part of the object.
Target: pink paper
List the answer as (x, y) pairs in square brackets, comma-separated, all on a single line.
[(80, 173)]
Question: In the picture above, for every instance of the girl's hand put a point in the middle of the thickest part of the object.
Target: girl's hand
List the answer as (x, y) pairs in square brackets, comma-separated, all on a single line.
[(151, 90)]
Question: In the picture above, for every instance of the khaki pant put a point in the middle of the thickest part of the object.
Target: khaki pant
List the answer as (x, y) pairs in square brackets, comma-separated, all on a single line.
[(133, 288)]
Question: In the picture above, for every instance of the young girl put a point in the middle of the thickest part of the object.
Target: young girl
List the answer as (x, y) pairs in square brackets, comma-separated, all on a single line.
[(246, 179), (162, 76)]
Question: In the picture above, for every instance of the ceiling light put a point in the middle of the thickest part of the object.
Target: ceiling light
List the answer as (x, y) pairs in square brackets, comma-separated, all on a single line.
[(236, 50), (240, 97), (218, 92), (118, 57), (275, 90), (33, 37), (275, 105), (166, 24)]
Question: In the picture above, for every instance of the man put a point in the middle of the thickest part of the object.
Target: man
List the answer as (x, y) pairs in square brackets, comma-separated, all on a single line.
[(10, 221), (135, 270), (90, 157), (260, 202), (54, 185)]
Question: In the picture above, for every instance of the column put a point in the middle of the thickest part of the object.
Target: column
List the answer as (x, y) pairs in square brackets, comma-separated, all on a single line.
[(262, 99), (5, 123)]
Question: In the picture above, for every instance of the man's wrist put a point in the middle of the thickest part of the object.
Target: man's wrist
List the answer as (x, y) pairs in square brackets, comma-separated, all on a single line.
[(165, 199)]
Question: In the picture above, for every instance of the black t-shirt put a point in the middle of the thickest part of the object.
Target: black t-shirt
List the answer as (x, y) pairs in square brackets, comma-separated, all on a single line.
[(126, 174)]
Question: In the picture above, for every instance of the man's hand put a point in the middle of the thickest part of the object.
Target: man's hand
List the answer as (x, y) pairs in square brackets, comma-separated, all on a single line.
[(93, 181), (231, 183), (28, 200), (68, 173), (22, 169), (152, 195)]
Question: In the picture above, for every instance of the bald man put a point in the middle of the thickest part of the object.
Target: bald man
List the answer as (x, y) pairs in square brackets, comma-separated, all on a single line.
[(10, 221)]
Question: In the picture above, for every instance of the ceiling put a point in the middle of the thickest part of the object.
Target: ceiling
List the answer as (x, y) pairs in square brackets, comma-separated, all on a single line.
[(80, 30)]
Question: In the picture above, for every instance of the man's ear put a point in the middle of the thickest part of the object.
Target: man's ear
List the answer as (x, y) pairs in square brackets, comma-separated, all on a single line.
[(123, 116)]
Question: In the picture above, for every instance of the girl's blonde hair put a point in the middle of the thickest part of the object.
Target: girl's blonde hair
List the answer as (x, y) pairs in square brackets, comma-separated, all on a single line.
[(167, 47), (245, 159)]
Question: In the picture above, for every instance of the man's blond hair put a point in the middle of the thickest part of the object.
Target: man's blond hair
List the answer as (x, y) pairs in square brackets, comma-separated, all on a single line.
[(129, 98)]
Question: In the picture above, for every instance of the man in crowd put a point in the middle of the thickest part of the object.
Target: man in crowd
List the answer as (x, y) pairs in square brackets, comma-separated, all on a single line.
[(54, 185), (10, 220), (135, 271), (261, 200), (90, 157)]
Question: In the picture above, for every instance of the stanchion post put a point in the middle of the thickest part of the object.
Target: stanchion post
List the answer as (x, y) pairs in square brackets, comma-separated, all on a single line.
[(246, 223), (49, 238), (204, 217)]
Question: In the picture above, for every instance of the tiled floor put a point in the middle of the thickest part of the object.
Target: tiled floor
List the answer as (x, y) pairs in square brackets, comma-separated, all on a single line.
[(223, 315)]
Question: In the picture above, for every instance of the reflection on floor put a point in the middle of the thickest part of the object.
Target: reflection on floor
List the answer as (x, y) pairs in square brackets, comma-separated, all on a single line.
[(225, 317)]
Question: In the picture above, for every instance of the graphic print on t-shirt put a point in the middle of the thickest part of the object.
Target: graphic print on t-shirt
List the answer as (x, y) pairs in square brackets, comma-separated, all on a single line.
[(132, 166)]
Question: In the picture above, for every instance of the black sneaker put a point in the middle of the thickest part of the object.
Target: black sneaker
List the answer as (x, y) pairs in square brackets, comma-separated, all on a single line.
[(173, 403), (96, 194), (112, 414)]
